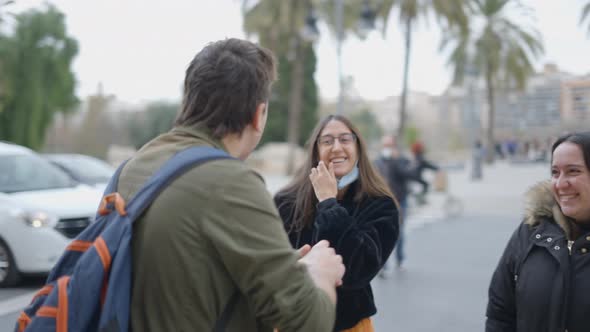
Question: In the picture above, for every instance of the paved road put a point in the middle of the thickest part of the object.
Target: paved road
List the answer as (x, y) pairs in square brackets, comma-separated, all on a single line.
[(12, 300), (443, 286), (449, 262)]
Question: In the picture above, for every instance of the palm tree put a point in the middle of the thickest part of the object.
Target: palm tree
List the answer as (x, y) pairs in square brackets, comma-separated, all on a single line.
[(501, 51), (449, 14), (278, 25), (3, 4), (586, 15)]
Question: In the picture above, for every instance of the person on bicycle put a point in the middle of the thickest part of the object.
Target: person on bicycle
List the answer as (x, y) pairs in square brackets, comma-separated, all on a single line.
[(420, 163)]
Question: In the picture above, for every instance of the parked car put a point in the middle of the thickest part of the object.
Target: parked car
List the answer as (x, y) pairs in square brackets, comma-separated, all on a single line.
[(85, 169), (41, 210)]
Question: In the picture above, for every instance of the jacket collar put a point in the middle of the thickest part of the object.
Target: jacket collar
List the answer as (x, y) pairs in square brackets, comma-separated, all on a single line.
[(200, 132), (540, 205)]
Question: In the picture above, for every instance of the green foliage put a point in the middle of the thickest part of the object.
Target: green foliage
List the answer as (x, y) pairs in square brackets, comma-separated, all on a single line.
[(411, 135), (366, 122), (157, 119), (277, 25), (276, 125), (37, 80)]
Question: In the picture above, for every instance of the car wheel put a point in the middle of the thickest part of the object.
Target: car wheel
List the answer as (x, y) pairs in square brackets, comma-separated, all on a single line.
[(9, 275)]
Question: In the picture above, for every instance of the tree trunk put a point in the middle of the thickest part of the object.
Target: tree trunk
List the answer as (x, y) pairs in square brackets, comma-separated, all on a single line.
[(296, 94), (295, 102), (404, 96), (490, 148)]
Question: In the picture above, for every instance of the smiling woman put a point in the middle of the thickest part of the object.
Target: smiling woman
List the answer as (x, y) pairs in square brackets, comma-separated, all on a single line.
[(338, 196), (571, 181), (543, 277)]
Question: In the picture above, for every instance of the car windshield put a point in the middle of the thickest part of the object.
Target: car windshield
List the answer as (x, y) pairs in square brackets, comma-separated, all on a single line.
[(26, 172), (85, 169)]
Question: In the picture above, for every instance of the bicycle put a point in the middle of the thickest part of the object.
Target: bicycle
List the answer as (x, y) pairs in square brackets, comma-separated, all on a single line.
[(452, 206)]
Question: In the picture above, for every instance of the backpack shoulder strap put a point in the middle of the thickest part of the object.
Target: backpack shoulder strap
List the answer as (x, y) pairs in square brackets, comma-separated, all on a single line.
[(173, 168), (114, 181)]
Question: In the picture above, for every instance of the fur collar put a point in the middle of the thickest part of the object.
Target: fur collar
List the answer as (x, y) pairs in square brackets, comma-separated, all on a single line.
[(540, 204)]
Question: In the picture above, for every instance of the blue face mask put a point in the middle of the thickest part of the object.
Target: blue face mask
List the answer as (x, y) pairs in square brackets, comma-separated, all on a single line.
[(349, 178)]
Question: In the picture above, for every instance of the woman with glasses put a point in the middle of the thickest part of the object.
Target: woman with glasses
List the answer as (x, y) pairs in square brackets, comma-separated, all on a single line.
[(339, 197)]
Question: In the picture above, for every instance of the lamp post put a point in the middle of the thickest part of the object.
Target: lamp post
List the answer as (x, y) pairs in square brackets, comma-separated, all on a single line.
[(471, 74)]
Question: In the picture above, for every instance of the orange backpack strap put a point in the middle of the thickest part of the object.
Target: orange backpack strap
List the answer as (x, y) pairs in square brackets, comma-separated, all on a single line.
[(23, 321), (114, 198), (62, 304), (78, 245)]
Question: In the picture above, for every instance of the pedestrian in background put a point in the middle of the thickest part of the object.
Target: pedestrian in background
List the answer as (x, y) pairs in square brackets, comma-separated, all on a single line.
[(397, 172), (542, 281), (212, 248), (419, 165), (339, 197), (477, 156)]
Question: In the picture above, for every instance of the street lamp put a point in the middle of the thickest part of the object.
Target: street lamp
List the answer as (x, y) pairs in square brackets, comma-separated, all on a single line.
[(471, 75)]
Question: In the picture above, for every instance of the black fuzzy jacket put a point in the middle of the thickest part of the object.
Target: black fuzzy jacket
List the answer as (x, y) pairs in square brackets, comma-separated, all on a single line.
[(363, 234), (542, 282)]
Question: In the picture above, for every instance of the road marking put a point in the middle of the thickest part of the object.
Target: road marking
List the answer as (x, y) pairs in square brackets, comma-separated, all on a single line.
[(16, 303)]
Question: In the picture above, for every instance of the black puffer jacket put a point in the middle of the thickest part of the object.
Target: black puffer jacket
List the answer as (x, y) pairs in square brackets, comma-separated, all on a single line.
[(363, 234), (542, 282)]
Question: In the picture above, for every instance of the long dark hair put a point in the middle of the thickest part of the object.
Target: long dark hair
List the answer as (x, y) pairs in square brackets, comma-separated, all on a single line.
[(581, 139), (299, 192)]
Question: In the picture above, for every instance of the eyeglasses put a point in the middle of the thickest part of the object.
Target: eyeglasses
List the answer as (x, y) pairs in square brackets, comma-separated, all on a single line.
[(344, 139)]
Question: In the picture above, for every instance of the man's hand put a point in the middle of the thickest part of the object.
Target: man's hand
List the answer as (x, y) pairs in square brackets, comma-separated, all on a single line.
[(325, 267), (304, 250), (324, 181)]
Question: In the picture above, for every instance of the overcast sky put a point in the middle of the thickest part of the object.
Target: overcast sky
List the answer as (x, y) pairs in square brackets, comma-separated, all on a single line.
[(139, 49)]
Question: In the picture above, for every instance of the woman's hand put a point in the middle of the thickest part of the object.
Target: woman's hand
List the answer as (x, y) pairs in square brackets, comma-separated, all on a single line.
[(323, 181)]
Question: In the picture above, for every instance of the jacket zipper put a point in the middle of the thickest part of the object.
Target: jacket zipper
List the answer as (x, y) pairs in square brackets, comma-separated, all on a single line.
[(570, 245)]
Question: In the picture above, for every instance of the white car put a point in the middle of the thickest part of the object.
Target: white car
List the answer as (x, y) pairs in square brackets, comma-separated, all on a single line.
[(85, 169), (41, 210)]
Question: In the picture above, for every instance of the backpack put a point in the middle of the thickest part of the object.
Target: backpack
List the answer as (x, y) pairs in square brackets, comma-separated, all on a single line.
[(89, 288)]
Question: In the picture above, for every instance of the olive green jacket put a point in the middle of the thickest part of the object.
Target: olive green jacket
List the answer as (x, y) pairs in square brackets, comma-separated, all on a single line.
[(214, 231)]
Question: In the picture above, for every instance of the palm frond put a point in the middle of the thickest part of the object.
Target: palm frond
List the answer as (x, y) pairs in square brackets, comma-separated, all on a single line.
[(503, 49), (384, 13)]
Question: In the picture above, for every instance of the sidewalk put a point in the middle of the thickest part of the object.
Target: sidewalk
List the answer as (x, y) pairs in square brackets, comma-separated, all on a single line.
[(500, 191)]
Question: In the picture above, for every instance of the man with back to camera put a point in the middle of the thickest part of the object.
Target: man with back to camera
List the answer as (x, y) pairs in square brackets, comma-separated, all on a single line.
[(215, 232)]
